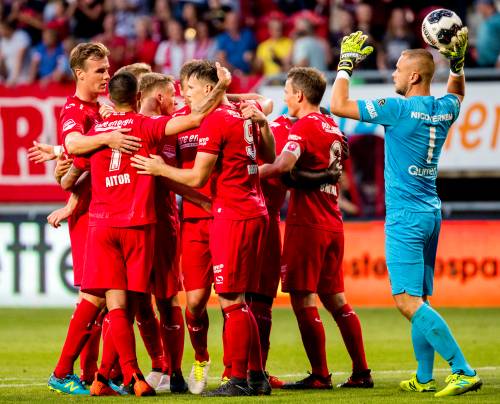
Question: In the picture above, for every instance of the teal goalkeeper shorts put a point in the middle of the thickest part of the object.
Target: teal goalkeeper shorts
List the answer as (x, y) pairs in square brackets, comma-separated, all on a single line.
[(411, 240)]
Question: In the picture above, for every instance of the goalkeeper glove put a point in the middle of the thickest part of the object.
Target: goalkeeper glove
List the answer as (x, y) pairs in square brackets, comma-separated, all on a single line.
[(352, 51), (456, 53)]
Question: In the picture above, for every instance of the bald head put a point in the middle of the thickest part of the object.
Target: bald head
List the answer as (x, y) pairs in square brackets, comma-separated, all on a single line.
[(421, 62)]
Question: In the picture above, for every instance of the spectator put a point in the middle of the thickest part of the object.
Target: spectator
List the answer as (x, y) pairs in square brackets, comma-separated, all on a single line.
[(145, 46), (45, 57), (54, 17), (205, 45), (274, 54), (398, 38), (343, 21), (190, 15), (174, 51), (117, 45), (364, 20), (309, 49), (488, 35), (125, 18), (235, 46), (88, 17), (14, 54), (28, 16), (161, 16)]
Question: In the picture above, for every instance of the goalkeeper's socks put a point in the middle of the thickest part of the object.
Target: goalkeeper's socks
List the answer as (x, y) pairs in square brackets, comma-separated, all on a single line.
[(172, 333), (79, 331), (350, 329), (90, 352), (313, 337), (263, 316), (198, 331), (438, 334), (149, 327), (424, 354)]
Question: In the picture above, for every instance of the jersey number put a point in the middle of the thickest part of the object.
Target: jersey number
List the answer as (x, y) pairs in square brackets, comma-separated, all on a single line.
[(248, 135), (116, 158), (432, 144)]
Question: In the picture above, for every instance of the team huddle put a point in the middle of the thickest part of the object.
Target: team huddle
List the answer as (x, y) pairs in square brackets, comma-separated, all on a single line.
[(125, 157)]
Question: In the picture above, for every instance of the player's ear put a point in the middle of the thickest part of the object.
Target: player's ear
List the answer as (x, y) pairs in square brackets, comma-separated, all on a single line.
[(415, 78), (300, 95), (80, 74)]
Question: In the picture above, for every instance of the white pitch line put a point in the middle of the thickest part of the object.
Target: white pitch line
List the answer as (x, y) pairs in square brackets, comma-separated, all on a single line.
[(291, 375)]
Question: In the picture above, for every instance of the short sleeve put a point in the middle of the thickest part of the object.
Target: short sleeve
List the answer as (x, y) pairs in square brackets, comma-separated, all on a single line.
[(296, 142), (72, 119), (383, 111), (81, 163), (210, 137), (153, 127), (450, 104)]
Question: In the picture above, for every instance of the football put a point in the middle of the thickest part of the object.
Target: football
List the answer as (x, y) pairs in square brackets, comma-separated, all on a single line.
[(440, 27)]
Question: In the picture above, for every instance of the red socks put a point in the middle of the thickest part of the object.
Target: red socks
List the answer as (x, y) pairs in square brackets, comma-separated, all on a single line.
[(149, 327), (172, 333), (90, 352), (109, 354), (242, 341), (79, 331), (198, 331), (226, 357), (263, 316), (313, 337), (123, 337), (350, 328)]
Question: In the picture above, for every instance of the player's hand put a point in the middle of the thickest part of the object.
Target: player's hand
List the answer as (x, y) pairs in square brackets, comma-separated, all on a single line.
[(41, 152), (120, 140), (106, 110), (152, 165), (352, 51), (62, 167), (223, 74), (57, 216), (456, 53), (335, 170), (250, 111)]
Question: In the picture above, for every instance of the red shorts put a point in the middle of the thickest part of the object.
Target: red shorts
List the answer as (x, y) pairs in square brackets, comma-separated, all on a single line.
[(312, 260), (78, 228), (236, 247), (196, 258), (118, 258), (165, 281), (271, 254)]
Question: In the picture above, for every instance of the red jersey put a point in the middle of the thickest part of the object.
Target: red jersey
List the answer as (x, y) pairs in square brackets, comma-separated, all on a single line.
[(274, 190), (315, 139), (235, 184), (78, 116), (187, 145), (166, 204), (120, 196)]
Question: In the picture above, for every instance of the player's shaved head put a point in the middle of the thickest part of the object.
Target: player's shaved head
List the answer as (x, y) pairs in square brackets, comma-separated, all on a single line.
[(205, 71), (310, 81), (123, 89), (420, 61), (152, 81), (136, 69)]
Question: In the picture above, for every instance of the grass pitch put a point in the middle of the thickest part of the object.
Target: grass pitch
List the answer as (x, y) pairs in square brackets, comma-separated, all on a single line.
[(30, 340)]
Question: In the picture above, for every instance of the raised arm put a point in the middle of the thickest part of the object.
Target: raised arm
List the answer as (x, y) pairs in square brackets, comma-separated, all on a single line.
[(266, 147), (265, 103), (180, 124), (456, 56), (351, 53)]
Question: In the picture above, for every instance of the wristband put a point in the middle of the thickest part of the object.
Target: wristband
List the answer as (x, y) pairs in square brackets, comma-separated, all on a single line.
[(58, 151), (342, 74)]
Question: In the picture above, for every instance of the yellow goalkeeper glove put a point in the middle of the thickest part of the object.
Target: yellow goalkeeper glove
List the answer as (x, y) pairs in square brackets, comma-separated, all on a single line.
[(456, 53), (352, 51)]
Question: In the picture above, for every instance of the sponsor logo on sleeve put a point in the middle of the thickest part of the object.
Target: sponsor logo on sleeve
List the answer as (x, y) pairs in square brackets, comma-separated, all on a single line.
[(371, 109), (381, 102), (202, 141), (294, 148), (70, 123)]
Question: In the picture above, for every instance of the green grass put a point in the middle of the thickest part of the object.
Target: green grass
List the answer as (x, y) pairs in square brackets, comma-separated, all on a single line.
[(30, 341)]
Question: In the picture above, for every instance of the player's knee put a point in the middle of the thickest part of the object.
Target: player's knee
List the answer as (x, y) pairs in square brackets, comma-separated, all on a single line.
[(97, 301), (301, 300)]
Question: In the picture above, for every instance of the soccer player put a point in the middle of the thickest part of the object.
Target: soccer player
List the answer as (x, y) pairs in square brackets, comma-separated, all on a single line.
[(90, 65), (228, 144), (315, 142), (416, 127)]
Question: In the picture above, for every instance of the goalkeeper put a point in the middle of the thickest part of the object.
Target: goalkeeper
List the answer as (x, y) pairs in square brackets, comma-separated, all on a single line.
[(416, 127)]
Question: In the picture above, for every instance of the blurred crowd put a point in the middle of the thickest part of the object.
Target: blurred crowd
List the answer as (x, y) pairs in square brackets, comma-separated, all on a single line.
[(251, 37)]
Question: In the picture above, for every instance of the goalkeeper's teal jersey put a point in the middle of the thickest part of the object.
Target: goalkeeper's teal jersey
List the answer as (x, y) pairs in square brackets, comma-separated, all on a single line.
[(415, 131)]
